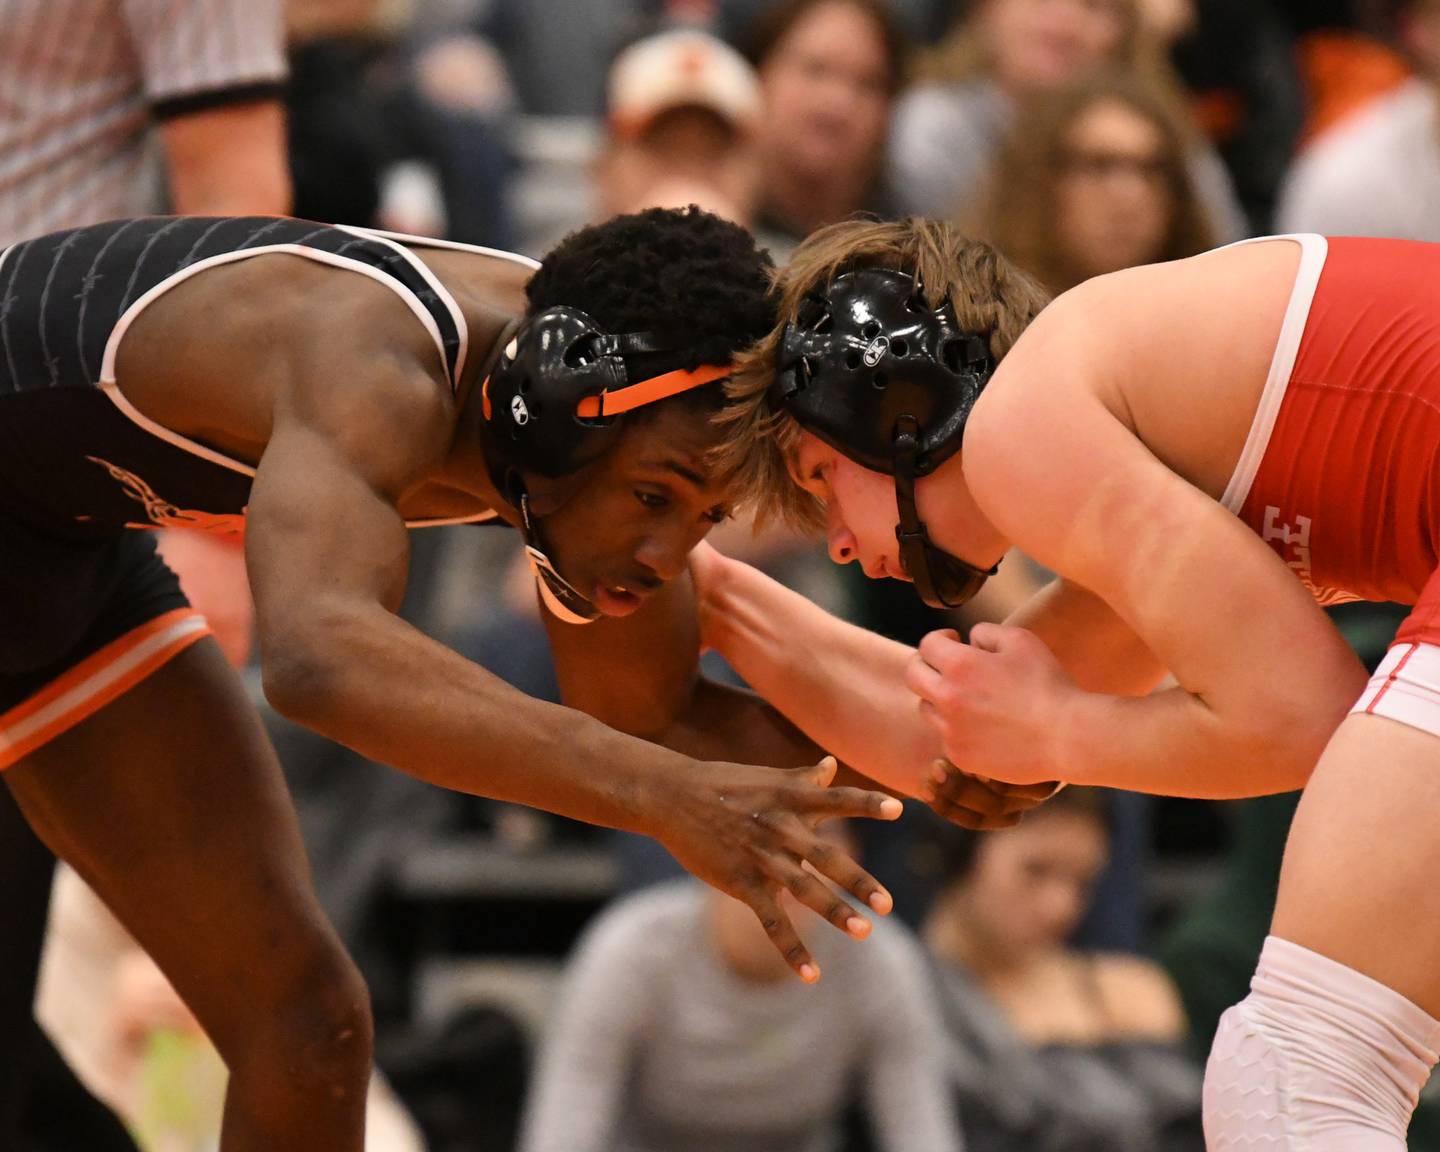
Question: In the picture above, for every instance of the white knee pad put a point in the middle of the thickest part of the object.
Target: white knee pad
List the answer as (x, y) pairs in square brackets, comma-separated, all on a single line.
[(1318, 1058)]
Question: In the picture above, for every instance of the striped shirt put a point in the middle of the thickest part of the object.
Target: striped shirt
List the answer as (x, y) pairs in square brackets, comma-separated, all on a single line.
[(81, 82)]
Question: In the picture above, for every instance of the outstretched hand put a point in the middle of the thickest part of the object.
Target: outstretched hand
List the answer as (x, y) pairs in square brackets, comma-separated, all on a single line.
[(750, 832)]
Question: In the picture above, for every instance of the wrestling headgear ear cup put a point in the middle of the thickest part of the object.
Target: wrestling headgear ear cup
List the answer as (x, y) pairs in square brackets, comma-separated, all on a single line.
[(551, 401), (550, 407), (873, 370), (871, 350)]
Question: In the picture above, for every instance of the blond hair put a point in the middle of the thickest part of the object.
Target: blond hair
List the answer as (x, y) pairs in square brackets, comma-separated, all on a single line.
[(991, 297)]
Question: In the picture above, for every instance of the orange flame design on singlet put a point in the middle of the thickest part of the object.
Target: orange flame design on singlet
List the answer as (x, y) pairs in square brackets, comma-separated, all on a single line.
[(163, 514)]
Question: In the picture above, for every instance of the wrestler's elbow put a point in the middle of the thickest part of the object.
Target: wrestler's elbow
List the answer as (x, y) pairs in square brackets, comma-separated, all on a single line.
[(1283, 743), (300, 673)]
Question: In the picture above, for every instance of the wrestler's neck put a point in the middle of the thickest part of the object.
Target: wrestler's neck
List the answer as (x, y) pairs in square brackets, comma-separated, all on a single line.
[(954, 521)]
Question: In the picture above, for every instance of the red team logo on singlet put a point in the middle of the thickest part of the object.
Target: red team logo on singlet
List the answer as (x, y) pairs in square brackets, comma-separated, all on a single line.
[(162, 513), (1293, 544)]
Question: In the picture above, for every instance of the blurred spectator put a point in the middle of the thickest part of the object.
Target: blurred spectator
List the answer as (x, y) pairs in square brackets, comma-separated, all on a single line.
[(453, 110), (949, 129), (829, 71), (1094, 179), (924, 21), (683, 108), (335, 115), (1238, 61), (679, 1027), (1377, 173), (559, 51), (1053, 1049)]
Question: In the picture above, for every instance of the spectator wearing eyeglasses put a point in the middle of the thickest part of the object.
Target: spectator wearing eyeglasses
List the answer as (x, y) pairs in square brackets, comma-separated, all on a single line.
[(1094, 178), (1000, 58)]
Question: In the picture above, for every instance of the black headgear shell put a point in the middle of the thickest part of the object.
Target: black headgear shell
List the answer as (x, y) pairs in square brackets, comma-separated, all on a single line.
[(557, 358), (871, 350)]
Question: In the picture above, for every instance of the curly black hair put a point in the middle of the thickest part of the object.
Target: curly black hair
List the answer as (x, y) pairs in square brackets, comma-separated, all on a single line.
[(681, 271)]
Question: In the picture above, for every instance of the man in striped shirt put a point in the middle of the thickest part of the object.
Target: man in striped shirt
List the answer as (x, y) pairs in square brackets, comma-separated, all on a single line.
[(122, 107)]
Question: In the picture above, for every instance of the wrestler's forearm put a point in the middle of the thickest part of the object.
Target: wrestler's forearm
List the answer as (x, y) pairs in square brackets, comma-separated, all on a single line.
[(1171, 743), (839, 684), (383, 688)]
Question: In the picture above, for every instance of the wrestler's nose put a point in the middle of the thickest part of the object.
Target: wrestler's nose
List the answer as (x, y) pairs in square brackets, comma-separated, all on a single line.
[(841, 542)]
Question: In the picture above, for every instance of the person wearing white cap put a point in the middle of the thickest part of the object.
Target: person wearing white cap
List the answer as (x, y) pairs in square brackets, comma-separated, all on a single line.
[(682, 113)]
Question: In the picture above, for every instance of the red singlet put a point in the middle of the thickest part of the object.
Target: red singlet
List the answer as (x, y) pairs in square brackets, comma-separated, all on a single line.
[(1341, 470)]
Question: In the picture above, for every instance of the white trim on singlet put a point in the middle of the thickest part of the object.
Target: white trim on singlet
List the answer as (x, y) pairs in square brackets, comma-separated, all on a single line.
[(1313, 249), (400, 240), (111, 389), (452, 245), (112, 344)]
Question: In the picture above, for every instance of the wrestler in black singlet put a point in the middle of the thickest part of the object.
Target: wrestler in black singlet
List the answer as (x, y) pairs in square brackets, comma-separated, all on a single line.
[(78, 464)]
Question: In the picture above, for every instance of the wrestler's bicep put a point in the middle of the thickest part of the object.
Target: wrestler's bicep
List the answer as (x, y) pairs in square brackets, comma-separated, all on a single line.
[(1068, 482), (324, 519)]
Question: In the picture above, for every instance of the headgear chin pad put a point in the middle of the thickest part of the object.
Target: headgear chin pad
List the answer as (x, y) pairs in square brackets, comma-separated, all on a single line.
[(871, 350)]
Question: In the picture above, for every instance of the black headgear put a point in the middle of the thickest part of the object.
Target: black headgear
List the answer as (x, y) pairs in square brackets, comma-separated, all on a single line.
[(550, 407), (882, 377)]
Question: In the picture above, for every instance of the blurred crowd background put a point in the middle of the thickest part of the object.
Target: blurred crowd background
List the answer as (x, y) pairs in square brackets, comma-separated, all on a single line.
[(549, 987)]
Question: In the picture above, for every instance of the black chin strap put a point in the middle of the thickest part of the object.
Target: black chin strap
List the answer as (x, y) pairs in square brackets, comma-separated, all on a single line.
[(942, 580)]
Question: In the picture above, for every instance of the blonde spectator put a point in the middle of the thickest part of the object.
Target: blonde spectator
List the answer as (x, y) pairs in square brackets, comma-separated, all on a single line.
[(1094, 179)]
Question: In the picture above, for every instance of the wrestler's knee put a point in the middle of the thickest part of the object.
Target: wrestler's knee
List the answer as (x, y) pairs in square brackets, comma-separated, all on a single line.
[(1318, 1058), (314, 1019)]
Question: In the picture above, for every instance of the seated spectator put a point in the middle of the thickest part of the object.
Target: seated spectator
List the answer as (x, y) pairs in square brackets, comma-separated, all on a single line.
[(829, 71), (1377, 172), (683, 110), (1094, 179), (679, 1028), (950, 127), (1053, 1049)]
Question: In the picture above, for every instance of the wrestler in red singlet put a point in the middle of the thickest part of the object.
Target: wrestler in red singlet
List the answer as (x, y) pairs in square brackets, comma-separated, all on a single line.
[(1341, 471)]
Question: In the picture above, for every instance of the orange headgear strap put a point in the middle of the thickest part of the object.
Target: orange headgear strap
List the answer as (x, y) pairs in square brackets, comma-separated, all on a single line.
[(649, 391)]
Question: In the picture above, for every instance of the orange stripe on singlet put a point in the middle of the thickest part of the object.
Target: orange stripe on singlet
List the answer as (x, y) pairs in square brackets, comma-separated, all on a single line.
[(100, 678)]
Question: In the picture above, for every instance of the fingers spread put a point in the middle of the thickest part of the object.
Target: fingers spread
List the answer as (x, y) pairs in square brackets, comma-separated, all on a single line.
[(832, 803), (782, 932), (821, 898), (828, 861)]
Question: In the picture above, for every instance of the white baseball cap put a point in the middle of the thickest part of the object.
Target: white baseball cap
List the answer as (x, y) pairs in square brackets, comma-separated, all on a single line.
[(685, 68)]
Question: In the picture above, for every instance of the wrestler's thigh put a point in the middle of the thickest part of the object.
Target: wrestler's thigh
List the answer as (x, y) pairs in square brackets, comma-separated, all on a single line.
[(170, 802), (1359, 883)]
